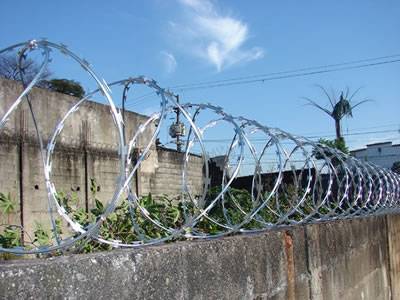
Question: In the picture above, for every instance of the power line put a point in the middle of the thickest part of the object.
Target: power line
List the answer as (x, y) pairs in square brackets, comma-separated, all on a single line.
[(138, 101), (355, 129), (288, 71), (256, 140), (307, 71), (312, 137), (262, 80), (363, 133)]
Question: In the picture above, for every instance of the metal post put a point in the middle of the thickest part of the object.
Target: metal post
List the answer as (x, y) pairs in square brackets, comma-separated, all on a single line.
[(124, 96), (178, 140)]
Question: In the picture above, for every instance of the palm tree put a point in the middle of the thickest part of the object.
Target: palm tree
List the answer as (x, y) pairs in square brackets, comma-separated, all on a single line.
[(340, 107)]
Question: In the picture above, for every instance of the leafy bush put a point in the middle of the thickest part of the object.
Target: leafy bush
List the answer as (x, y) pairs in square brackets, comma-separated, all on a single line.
[(128, 223), (338, 144), (66, 86)]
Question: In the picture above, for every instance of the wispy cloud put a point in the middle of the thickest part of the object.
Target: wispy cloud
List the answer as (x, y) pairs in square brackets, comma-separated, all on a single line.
[(169, 61), (207, 33)]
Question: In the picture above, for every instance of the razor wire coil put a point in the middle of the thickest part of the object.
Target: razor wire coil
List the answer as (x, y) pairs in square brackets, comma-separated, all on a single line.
[(325, 184)]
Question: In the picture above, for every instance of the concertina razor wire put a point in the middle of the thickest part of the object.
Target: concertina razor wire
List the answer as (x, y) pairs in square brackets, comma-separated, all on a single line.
[(325, 184)]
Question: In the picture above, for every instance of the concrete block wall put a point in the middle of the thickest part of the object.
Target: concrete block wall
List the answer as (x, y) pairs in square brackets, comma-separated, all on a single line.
[(166, 177), (348, 259)]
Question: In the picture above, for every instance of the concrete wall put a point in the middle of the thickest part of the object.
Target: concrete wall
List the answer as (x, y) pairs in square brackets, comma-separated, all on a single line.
[(10, 182), (393, 229), (351, 259), (86, 148)]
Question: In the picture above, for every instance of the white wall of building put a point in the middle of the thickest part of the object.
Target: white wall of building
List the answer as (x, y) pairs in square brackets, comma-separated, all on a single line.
[(381, 154)]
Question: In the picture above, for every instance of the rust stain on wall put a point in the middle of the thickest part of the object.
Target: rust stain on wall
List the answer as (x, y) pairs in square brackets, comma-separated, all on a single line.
[(288, 241)]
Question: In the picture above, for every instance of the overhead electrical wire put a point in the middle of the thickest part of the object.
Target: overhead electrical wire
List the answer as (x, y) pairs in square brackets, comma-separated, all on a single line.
[(288, 71), (300, 72), (314, 136), (247, 81)]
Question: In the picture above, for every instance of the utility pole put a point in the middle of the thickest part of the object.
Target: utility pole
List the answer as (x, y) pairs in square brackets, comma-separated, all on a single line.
[(136, 151), (124, 97), (178, 140), (177, 129)]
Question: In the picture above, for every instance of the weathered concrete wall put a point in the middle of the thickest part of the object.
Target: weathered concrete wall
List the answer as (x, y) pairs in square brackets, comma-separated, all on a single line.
[(349, 260), (10, 182), (393, 228), (352, 259), (86, 148)]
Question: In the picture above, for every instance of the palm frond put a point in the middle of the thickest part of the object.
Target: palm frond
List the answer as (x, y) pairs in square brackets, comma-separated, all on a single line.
[(331, 99), (315, 104), (354, 93), (347, 92), (361, 102)]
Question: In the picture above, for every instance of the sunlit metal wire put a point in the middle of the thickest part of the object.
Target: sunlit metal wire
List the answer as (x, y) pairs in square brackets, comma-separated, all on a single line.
[(309, 183)]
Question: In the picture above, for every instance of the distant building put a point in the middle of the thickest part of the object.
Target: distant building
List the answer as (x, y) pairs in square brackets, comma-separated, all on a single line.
[(382, 154)]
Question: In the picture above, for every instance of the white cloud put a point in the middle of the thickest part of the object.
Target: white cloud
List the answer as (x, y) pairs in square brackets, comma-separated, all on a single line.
[(169, 61), (208, 34)]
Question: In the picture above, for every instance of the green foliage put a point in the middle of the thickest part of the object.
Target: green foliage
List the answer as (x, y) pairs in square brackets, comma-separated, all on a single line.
[(128, 222), (65, 86), (42, 236), (7, 204), (233, 200), (99, 208), (338, 144), (10, 237), (66, 200), (396, 167), (58, 227)]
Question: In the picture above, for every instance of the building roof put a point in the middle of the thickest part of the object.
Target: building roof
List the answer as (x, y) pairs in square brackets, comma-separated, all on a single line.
[(374, 144), (379, 143), (358, 150)]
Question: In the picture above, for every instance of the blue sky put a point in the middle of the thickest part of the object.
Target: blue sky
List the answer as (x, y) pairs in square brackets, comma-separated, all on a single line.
[(189, 41)]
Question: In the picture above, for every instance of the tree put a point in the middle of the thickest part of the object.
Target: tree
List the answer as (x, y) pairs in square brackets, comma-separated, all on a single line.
[(65, 86), (10, 69), (338, 144), (340, 107)]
